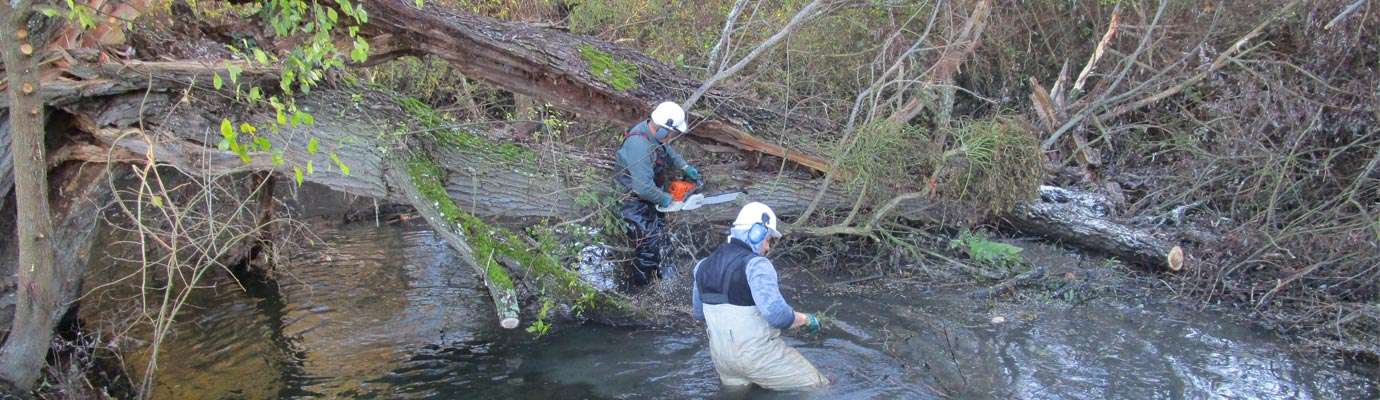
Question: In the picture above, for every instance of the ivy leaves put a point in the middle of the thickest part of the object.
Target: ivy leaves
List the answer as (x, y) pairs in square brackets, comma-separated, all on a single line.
[(315, 24)]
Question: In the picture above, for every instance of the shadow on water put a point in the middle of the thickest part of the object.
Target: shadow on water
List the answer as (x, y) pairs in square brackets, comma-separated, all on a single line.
[(387, 312)]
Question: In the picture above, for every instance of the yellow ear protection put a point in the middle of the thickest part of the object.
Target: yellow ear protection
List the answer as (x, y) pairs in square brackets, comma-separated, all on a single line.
[(758, 232)]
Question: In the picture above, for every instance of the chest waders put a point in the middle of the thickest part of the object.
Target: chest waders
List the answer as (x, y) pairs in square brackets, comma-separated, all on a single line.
[(745, 348), (644, 225)]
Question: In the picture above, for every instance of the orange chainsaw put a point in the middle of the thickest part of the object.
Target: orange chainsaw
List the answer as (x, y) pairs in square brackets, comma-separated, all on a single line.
[(684, 191), (680, 189)]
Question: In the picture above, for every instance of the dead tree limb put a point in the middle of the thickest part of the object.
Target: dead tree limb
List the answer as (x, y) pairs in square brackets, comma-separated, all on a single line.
[(942, 73), (815, 8), (714, 65)]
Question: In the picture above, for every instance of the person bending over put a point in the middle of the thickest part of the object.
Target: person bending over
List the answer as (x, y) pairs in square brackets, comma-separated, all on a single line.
[(643, 157)]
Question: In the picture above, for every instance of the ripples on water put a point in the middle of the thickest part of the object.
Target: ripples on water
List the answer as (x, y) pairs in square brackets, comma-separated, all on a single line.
[(389, 313)]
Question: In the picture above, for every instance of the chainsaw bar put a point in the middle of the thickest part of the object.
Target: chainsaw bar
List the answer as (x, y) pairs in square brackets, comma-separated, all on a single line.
[(720, 198)]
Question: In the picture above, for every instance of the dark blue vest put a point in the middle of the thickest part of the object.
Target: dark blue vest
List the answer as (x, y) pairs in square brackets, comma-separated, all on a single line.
[(722, 276)]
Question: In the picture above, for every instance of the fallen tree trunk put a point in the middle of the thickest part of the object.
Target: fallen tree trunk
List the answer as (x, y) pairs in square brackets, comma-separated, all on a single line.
[(478, 179), (474, 176), (500, 284), (569, 71), (1080, 219)]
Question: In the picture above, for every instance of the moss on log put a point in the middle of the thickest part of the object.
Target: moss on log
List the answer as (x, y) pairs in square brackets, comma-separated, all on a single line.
[(494, 242)]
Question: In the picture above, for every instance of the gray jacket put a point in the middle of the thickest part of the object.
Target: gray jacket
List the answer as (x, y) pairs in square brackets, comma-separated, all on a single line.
[(641, 159)]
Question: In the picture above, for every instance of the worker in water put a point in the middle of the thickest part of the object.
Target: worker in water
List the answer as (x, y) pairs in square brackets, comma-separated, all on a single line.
[(737, 295), (644, 157)]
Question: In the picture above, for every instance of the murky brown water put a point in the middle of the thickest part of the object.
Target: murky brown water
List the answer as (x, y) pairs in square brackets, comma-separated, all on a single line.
[(388, 313)]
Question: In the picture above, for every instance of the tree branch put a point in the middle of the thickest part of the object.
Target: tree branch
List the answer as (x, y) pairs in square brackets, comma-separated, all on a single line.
[(810, 11)]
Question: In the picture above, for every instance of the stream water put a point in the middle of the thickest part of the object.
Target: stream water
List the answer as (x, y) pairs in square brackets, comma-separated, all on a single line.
[(386, 312)]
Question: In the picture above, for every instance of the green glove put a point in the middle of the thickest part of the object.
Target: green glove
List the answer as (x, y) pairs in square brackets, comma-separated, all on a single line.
[(694, 174), (811, 324)]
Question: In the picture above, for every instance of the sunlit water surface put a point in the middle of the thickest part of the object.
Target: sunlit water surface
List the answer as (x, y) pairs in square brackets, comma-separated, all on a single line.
[(388, 312)]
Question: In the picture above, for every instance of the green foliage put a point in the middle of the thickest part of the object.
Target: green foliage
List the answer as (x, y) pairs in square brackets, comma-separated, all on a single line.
[(506, 9), (540, 327), (827, 55), (429, 79), (442, 128), (621, 75), (883, 153), (303, 66), (83, 15), (1000, 164), (604, 205), (306, 64), (988, 252), (665, 35)]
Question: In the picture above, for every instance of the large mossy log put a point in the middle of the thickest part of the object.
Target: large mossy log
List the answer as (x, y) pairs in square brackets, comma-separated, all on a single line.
[(583, 74), (420, 181), (452, 178)]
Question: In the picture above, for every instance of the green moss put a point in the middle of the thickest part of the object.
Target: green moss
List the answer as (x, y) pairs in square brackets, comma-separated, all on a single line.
[(444, 131), (621, 75), (427, 176), (489, 242)]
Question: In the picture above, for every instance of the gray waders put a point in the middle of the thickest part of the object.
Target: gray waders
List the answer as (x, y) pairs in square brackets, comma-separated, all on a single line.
[(746, 350)]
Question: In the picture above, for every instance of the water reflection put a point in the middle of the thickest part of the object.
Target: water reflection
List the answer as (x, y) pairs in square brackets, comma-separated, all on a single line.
[(389, 313)]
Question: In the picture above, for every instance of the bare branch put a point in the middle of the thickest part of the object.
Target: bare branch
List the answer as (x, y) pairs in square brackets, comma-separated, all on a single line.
[(814, 9), (1097, 53), (714, 65)]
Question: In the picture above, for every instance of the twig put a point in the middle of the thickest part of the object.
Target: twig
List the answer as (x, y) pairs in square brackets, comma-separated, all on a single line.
[(1126, 68), (1217, 64), (1340, 16)]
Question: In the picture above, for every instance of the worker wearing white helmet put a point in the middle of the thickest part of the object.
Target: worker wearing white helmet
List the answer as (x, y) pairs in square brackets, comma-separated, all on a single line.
[(644, 156), (737, 295)]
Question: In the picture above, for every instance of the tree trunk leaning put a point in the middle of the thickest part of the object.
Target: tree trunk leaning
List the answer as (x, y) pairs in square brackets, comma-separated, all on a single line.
[(504, 295)]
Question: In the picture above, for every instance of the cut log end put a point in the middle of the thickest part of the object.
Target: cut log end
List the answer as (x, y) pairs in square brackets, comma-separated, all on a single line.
[(508, 323), (1175, 260)]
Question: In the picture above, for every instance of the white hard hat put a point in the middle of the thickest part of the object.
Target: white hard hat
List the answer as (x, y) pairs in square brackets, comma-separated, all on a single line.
[(757, 213), (669, 115)]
